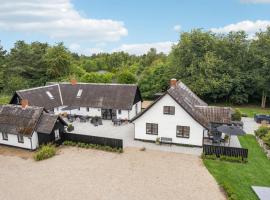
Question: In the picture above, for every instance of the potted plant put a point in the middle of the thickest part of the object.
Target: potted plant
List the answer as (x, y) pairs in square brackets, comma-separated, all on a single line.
[(70, 128)]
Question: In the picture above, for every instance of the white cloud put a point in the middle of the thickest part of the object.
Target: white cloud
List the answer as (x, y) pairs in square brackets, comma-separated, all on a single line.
[(140, 49), (177, 28), (248, 26), (255, 1), (57, 19), (74, 47)]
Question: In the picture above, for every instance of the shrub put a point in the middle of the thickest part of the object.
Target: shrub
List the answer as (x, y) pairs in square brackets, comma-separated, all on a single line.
[(229, 191), (45, 152), (236, 116), (262, 131), (70, 128), (93, 146), (210, 157), (266, 139)]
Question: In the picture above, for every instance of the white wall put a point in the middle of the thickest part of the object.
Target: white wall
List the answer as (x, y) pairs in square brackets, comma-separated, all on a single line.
[(133, 113), (13, 141), (35, 140), (83, 111), (124, 114), (167, 123)]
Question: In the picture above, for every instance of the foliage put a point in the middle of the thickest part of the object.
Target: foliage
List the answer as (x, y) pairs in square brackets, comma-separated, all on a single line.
[(4, 99), (237, 115), (226, 68), (93, 146), (224, 158), (240, 177), (250, 111), (262, 131), (70, 128), (266, 139), (45, 152)]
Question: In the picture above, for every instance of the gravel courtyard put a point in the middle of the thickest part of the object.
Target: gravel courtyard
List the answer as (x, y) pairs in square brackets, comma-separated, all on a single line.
[(79, 174)]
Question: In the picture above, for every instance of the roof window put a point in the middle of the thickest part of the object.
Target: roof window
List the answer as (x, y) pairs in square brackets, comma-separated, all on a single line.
[(79, 94), (49, 95)]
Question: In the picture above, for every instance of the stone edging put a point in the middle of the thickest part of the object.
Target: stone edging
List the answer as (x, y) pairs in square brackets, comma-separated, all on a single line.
[(264, 146)]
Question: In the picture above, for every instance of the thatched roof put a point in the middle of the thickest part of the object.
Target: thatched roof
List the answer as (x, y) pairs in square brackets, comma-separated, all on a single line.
[(110, 96), (17, 120)]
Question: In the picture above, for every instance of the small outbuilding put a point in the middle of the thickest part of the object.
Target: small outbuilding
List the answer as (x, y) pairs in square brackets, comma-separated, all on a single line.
[(29, 127)]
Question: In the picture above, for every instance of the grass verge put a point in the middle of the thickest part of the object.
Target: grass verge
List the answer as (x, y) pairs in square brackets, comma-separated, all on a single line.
[(236, 178)]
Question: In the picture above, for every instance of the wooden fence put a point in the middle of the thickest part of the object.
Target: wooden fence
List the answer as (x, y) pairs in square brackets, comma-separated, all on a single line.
[(112, 142), (225, 151)]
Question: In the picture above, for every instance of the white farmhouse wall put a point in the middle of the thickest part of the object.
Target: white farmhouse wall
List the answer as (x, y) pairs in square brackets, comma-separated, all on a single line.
[(167, 123), (124, 114), (82, 111), (35, 143), (13, 141), (133, 112)]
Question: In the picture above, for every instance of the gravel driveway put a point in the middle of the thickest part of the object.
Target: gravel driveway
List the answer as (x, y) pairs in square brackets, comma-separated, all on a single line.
[(79, 174)]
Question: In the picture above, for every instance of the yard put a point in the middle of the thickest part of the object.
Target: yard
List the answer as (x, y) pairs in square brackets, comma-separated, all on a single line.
[(240, 177), (252, 110), (90, 174)]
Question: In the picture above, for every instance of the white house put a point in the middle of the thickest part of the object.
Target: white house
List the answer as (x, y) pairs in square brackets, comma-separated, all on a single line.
[(179, 116), (28, 127), (120, 101)]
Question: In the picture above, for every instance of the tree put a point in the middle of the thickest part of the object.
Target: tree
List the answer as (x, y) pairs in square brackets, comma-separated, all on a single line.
[(260, 48), (126, 77), (2, 67), (58, 61)]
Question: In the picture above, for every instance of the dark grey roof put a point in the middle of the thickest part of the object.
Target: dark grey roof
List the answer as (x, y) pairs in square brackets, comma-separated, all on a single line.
[(39, 97), (16, 120), (46, 123), (111, 96), (196, 107)]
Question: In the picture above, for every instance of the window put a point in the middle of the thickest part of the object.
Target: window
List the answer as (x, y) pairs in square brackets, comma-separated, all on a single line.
[(151, 129), (20, 138), (182, 131), (79, 94), (119, 112), (49, 95), (136, 108), (87, 109), (56, 134), (168, 110), (79, 108), (5, 136)]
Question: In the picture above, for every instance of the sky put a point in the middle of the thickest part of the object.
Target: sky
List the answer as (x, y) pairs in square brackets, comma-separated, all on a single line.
[(133, 26)]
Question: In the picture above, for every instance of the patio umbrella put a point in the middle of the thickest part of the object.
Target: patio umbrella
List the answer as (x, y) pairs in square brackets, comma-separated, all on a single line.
[(231, 130)]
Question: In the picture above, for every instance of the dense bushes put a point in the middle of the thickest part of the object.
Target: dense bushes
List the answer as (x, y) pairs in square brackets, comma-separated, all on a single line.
[(237, 115), (45, 152), (263, 132), (93, 146)]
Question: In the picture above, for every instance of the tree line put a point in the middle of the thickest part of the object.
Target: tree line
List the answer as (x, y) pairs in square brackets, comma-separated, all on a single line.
[(229, 68)]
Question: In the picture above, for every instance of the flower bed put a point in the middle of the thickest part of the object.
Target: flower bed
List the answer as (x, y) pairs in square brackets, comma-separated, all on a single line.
[(263, 138)]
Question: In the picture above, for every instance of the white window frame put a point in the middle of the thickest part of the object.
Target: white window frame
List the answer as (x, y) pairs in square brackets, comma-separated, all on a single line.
[(20, 138), (79, 94), (5, 136), (56, 134)]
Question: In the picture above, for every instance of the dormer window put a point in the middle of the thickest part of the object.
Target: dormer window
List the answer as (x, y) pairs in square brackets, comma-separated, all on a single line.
[(79, 94), (49, 95)]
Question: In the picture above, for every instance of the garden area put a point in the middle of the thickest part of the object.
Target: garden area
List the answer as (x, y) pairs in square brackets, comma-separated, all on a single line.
[(237, 178), (251, 110)]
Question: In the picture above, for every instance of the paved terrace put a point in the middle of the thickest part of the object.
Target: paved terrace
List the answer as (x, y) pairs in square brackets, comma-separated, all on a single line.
[(126, 133)]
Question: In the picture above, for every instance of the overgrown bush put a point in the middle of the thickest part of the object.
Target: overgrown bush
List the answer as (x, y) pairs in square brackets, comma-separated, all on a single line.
[(262, 131), (93, 146), (237, 115), (266, 139), (45, 152), (210, 157)]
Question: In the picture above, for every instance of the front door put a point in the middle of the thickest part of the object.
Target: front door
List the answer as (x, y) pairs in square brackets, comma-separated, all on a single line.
[(108, 113), (56, 134)]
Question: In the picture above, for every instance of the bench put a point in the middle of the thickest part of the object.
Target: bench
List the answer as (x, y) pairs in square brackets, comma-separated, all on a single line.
[(166, 140)]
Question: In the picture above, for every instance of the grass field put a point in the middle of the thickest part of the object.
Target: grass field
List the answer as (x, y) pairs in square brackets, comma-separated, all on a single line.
[(252, 110), (4, 99), (240, 177)]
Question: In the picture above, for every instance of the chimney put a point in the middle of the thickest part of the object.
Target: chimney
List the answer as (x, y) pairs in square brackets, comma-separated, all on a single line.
[(24, 103), (173, 82), (73, 81)]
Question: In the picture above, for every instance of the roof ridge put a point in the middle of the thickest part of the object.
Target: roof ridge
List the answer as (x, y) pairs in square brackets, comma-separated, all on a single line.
[(34, 88)]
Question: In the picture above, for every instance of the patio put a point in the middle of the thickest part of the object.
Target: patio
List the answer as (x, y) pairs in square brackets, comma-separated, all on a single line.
[(125, 131)]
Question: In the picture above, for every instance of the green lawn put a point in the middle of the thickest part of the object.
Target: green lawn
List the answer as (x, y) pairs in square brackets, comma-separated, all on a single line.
[(4, 99), (240, 177), (252, 110)]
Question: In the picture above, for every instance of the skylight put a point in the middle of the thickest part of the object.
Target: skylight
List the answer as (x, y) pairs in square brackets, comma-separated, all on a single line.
[(49, 95), (79, 94)]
